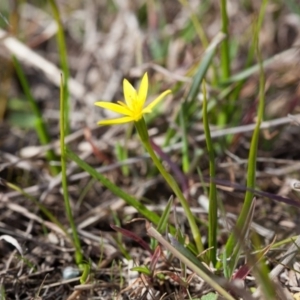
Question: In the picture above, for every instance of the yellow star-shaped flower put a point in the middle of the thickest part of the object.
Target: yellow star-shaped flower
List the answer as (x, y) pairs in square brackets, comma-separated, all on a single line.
[(133, 109)]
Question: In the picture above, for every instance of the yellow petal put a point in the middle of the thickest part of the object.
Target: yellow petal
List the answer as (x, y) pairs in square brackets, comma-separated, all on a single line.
[(130, 94), (123, 110), (143, 90), (124, 105), (116, 121), (149, 108)]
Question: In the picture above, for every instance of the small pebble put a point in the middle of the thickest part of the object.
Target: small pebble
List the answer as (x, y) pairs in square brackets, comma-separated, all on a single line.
[(70, 272)]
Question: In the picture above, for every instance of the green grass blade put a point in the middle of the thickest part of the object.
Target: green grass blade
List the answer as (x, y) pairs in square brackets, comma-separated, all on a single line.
[(197, 25), (262, 273), (62, 51), (202, 272), (86, 270), (254, 69), (203, 66), (213, 204), (185, 145), (188, 254), (68, 210), (242, 237), (151, 216), (177, 191), (236, 93), (2, 292), (224, 114), (225, 53), (164, 219), (122, 154), (198, 77), (251, 172), (163, 222), (41, 128)]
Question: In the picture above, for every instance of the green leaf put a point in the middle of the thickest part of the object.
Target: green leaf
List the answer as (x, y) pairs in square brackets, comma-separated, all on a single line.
[(210, 296), (142, 269), (22, 120)]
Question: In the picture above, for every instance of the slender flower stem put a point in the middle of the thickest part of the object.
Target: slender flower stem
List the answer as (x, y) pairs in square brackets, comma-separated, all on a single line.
[(133, 109), (142, 130)]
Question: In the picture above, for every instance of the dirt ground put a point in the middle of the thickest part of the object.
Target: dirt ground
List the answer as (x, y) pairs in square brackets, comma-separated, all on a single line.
[(107, 41)]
